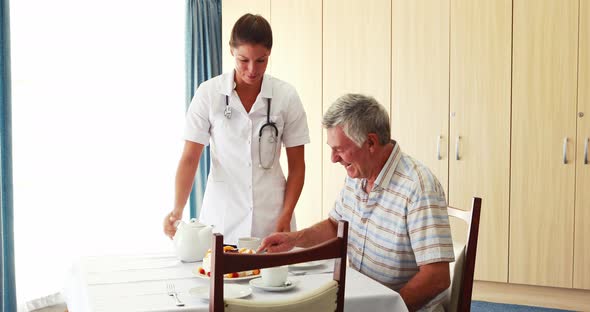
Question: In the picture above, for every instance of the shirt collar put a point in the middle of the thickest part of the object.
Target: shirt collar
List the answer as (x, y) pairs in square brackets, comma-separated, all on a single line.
[(386, 174), (228, 85)]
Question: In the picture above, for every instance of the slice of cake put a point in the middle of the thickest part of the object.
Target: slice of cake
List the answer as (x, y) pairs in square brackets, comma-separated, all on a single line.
[(206, 268)]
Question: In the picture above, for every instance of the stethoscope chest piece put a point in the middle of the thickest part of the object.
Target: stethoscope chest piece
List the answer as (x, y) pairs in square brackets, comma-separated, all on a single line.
[(227, 112)]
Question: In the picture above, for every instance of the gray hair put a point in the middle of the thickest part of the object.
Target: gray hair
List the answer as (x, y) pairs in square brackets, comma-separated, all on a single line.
[(358, 115)]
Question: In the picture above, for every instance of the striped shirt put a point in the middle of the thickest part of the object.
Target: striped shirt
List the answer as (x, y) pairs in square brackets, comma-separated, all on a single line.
[(400, 225)]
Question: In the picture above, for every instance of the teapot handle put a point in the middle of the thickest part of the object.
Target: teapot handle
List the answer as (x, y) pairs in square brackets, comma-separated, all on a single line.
[(177, 224)]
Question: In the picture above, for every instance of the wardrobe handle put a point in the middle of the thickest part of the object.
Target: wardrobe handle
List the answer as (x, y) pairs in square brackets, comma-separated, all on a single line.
[(565, 150), (586, 151), (457, 148), (438, 156)]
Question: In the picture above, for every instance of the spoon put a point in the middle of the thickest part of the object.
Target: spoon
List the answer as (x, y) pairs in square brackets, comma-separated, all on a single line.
[(298, 273)]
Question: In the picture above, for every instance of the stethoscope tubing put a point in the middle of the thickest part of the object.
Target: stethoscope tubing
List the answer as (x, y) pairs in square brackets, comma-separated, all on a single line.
[(227, 112)]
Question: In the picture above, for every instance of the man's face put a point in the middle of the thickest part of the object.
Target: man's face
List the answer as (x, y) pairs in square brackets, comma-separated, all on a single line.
[(344, 151)]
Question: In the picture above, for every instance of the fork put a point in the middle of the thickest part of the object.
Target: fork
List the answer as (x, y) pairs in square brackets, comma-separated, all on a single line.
[(172, 292)]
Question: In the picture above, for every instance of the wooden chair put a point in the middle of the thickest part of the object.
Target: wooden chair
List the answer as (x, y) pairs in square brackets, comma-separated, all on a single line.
[(464, 266), (331, 294)]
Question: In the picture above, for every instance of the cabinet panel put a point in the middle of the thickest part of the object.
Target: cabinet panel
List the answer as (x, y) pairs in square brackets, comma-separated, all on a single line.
[(582, 216), (420, 81), (480, 115), (231, 11), (297, 59), (356, 58), (543, 115)]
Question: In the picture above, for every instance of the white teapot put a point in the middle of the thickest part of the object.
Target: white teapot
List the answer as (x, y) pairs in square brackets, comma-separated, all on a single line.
[(192, 240)]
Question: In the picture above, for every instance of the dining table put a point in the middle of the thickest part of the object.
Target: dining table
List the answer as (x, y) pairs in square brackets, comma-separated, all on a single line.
[(140, 283)]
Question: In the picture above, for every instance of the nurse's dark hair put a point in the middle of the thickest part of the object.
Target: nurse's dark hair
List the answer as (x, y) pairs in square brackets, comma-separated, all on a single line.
[(252, 29), (359, 115)]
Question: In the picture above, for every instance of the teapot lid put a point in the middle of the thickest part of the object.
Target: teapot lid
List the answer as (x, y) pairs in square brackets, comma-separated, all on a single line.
[(194, 223)]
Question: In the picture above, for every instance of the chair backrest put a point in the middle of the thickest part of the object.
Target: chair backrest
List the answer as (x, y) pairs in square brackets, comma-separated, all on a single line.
[(464, 267), (223, 263)]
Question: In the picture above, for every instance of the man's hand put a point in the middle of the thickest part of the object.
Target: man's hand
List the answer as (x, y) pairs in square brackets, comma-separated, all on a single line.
[(278, 242), (285, 241), (170, 223)]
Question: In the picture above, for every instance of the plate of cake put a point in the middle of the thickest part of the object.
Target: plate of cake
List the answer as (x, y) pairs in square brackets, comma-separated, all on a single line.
[(204, 270)]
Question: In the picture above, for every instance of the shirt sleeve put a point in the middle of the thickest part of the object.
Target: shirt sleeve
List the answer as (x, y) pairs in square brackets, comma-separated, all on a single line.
[(337, 213), (296, 131), (428, 226), (197, 123)]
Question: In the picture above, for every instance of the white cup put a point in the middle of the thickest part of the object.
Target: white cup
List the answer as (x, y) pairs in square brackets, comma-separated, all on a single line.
[(275, 276), (249, 242)]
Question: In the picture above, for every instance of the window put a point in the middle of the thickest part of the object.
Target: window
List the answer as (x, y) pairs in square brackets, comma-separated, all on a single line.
[(98, 111)]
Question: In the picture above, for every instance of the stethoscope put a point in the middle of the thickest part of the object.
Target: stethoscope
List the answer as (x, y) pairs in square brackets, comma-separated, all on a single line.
[(269, 124)]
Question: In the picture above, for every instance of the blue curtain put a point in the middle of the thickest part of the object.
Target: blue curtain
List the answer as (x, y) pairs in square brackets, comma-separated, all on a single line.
[(203, 61), (8, 287)]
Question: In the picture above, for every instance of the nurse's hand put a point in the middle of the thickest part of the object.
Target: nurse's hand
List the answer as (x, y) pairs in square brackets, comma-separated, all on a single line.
[(278, 242), (283, 224), (170, 223)]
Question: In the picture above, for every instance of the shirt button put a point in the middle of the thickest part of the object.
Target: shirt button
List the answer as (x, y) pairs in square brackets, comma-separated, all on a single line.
[(249, 186), (364, 220), (249, 165)]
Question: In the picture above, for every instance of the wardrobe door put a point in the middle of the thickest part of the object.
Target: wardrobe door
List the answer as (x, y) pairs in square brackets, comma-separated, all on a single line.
[(231, 11), (420, 82), (543, 142), (356, 59), (297, 58), (582, 215), (479, 164)]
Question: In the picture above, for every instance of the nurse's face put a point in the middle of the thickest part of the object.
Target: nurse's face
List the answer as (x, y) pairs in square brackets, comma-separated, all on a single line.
[(251, 62), (354, 159)]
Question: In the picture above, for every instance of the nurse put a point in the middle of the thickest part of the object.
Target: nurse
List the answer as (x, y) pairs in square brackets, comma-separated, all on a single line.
[(245, 115)]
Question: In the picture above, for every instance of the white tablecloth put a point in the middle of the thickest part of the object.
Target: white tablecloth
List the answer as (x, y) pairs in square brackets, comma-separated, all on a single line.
[(138, 283)]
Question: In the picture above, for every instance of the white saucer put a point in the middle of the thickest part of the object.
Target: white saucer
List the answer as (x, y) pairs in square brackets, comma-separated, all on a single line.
[(230, 291), (290, 284)]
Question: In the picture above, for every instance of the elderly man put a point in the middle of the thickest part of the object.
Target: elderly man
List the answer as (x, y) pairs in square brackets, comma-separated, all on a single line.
[(399, 228)]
